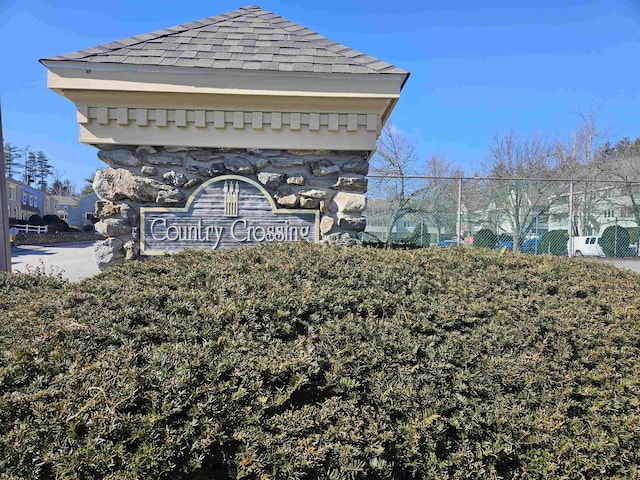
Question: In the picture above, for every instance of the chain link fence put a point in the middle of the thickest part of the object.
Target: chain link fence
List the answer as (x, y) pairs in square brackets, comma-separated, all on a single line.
[(533, 216)]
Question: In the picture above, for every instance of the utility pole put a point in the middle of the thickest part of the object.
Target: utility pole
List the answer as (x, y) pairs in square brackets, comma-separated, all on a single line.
[(570, 243), (459, 216), (5, 244)]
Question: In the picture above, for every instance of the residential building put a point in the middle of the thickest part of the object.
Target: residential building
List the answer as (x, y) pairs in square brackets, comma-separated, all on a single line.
[(32, 202), (23, 200), (597, 209), (14, 194), (82, 215), (60, 205)]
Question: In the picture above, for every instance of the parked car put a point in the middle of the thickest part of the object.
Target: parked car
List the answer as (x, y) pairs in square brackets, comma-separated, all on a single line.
[(588, 246), (447, 243), (507, 245), (531, 245)]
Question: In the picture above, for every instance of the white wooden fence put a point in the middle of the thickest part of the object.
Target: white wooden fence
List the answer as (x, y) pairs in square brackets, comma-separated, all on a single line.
[(28, 229)]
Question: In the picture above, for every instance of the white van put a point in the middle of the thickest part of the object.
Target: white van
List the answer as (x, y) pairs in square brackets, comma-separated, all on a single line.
[(585, 246)]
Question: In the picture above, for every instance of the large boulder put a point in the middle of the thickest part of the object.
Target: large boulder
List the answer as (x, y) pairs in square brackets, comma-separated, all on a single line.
[(173, 196), (177, 179), (353, 183), (323, 167), (287, 197), (239, 165), (271, 180), (206, 155), (348, 222), (348, 202), (315, 193), (168, 158), (123, 211), (121, 157), (108, 253), (119, 184), (113, 227)]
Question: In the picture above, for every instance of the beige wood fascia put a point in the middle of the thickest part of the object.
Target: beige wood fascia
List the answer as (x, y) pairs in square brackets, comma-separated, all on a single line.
[(229, 102), (64, 76)]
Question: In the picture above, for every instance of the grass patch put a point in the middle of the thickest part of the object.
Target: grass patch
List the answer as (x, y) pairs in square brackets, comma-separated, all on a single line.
[(296, 361)]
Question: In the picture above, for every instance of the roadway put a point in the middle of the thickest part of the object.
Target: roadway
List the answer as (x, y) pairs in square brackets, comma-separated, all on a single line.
[(73, 260)]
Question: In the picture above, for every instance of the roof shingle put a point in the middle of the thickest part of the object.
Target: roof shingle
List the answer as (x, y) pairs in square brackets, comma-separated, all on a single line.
[(249, 38)]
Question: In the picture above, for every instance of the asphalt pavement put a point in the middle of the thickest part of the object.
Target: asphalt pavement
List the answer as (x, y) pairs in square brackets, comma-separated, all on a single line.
[(73, 260), (627, 263)]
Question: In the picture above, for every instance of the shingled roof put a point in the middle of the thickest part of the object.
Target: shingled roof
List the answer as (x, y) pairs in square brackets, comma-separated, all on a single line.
[(249, 38)]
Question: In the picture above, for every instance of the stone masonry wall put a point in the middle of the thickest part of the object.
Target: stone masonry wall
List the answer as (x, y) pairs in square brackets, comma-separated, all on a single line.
[(46, 238), (332, 182)]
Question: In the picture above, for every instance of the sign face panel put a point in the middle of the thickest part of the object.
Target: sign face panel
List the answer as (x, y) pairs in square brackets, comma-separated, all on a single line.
[(224, 212)]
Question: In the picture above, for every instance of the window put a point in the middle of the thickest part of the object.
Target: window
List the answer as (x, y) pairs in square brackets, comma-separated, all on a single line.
[(13, 193), (31, 200), (35, 202), (88, 216), (24, 198)]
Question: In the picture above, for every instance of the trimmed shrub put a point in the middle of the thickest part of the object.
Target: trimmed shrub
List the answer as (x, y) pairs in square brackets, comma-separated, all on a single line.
[(50, 218), (615, 241), (554, 242), (296, 361), (418, 238), (36, 220), (58, 225), (485, 238)]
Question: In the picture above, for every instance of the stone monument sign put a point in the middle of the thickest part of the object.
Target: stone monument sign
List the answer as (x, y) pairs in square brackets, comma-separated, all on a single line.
[(225, 212), (282, 117)]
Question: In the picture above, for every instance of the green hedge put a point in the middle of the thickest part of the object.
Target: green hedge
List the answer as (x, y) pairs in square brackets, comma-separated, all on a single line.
[(485, 238), (554, 242), (420, 237), (304, 362), (615, 241)]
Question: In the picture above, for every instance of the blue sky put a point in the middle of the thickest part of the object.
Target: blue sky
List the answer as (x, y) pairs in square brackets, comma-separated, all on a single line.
[(478, 67)]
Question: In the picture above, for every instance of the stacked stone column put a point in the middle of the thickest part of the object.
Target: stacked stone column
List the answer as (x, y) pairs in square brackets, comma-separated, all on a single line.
[(332, 182)]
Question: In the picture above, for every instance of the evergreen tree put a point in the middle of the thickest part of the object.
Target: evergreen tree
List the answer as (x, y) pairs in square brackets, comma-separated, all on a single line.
[(11, 160), (87, 188), (43, 170), (30, 167)]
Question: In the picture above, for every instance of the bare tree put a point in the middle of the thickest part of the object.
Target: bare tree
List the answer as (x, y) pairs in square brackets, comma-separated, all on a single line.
[(517, 195), (439, 201), (621, 163), (575, 161), (61, 186), (394, 159)]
